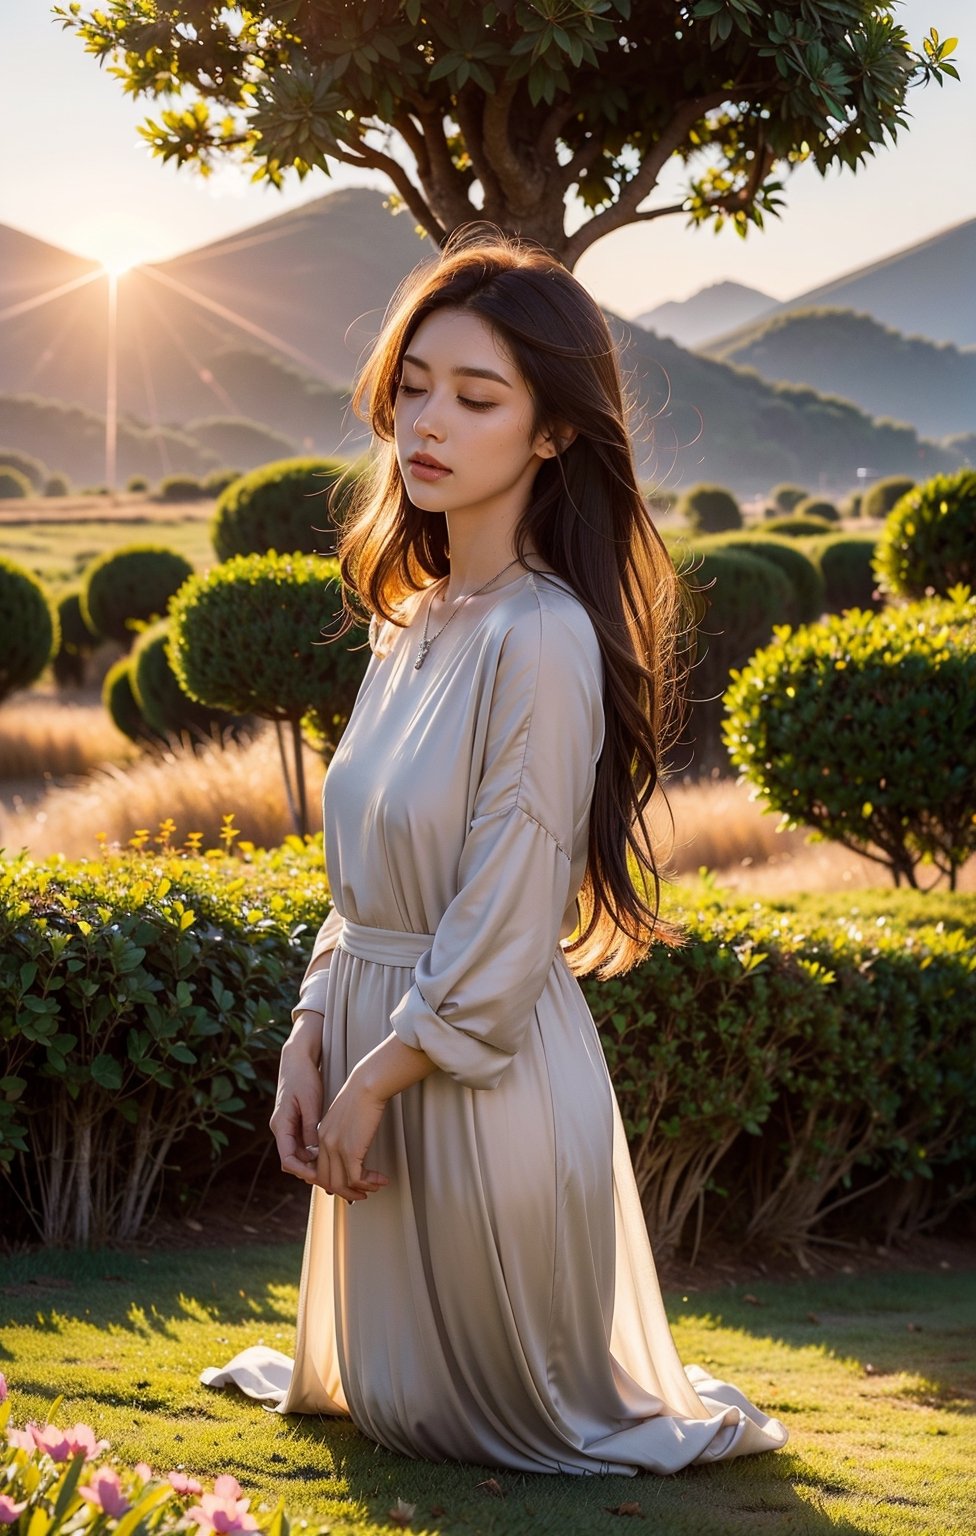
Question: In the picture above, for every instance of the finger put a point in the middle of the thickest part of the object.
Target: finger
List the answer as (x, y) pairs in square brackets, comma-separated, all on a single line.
[(299, 1170)]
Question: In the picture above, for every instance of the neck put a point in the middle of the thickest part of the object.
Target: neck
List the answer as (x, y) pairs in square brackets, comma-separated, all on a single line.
[(476, 560)]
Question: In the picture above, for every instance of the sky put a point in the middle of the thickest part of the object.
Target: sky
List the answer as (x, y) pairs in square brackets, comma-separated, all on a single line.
[(85, 181)]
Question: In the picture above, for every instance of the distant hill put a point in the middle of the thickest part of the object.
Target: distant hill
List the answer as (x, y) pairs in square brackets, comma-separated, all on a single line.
[(903, 378), (701, 419), (708, 312), (270, 324), (925, 290)]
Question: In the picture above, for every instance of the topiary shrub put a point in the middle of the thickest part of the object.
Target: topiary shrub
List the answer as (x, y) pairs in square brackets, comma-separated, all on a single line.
[(928, 543), (785, 497), (180, 488), (710, 509), (29, 630), (882, 496), (31, 468), (747, 596), (852, 505), (77, 643), (802, 572), (816, 506), (56, 485), (13, 485), (123, 706), (846, 563), (129, 587), (864, 728), (136, 484), (247, 638), (216, 483), (161, 701), (284, 507), (797, 527)]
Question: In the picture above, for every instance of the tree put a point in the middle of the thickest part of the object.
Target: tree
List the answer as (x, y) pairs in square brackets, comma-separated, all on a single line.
[(504, 110)]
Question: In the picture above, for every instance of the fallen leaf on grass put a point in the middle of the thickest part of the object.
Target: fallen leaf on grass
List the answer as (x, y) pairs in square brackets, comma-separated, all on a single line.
[(625, 1509), (402, 1513), (752, 1300), (493, 1486)]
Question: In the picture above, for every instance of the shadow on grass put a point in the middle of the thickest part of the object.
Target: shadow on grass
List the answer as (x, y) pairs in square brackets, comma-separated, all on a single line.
[(752, 1494)]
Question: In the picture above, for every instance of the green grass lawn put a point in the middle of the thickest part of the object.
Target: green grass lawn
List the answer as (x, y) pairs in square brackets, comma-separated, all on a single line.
[(875, 1377), (59, 552)]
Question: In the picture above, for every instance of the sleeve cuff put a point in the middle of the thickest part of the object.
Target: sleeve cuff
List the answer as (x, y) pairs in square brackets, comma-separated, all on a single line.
[(469, 1061)]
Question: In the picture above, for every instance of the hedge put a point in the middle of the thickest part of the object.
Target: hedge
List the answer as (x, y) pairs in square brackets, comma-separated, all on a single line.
[(771, 1070)]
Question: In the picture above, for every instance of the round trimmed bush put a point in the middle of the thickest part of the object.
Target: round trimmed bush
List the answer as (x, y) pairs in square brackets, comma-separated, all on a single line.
[(130, 587), (14, 485), (160, 699), (863, 727), (29, 630), (216, 483), (247, 637), (56, 485), (798, 567), (928, 543), (282, 507), (180, 488), (136, 483), (121, 703), (797, 527), (883, 495), (785, 497), (710, 509), (34, 471), (747, 596), (852, 505), (77, 642), (816, 506), (846, 564)]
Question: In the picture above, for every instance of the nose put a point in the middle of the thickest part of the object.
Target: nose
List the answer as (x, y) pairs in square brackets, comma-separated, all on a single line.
[(427, 420)]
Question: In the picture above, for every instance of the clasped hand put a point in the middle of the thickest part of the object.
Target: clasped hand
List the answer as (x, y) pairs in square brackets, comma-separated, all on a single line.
[(331, 1153)]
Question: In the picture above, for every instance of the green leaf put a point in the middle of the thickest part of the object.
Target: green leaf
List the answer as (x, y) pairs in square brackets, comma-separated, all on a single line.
[(106, 1071)]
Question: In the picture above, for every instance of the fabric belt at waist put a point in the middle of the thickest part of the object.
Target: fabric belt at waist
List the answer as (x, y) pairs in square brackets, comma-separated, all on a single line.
[(387, 946)]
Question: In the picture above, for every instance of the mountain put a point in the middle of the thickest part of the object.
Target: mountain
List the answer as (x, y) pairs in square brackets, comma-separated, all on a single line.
[(838, 352), (265, 325), (700, 419), (707, 313), (268, 326), (925, 290)]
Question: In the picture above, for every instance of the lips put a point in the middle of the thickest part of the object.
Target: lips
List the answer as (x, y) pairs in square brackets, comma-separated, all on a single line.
[(423, 466)]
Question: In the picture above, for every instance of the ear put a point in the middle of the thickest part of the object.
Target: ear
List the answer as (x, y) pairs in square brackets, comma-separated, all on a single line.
[(550, 444)]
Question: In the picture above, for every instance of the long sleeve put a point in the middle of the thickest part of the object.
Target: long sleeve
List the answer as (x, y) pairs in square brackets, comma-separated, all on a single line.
[(311, 993), (523, 856)]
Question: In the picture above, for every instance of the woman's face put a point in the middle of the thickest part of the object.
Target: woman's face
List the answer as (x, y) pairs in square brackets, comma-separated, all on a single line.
[(464, 420)]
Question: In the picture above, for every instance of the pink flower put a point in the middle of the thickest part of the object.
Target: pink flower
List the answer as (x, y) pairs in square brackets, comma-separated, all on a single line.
[(105, 1490), (223, 1511), (184, 1484), (51, 1440), (3, 1387), (142, 1470), (9, 1511), (82, 1439), (21, 1440)]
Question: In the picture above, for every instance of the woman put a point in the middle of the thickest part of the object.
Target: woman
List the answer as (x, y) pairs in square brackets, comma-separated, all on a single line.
[(477, 1282)]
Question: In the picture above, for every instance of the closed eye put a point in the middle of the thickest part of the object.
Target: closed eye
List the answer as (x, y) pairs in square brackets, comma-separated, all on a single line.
[(412, 390)]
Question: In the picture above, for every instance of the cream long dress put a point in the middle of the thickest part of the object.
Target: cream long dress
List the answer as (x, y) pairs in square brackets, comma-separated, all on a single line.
[(497, 1302)]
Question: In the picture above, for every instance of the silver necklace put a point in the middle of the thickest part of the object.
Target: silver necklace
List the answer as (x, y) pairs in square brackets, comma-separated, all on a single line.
[(426, 643)]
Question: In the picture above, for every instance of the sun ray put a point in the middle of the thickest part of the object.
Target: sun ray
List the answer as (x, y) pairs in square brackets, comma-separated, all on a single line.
[(268, 337), (202, 372), (53, 293)]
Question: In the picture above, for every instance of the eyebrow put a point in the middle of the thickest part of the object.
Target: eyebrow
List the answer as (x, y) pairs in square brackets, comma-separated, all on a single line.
[(465, 373)]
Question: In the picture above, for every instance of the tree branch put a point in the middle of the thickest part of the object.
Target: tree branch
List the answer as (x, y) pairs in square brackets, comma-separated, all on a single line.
[(643, 182), (412, 196), (444, 184)]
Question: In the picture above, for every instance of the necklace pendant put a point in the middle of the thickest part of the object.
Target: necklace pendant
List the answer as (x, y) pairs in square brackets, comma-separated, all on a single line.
[(422, 656)]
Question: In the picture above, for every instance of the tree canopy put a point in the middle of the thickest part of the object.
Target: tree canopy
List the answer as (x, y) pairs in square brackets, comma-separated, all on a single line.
[(505, 110)]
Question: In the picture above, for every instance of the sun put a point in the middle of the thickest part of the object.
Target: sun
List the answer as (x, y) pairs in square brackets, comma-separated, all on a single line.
[(118, 266)]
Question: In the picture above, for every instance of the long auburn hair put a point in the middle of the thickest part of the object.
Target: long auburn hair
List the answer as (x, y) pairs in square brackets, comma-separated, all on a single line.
[(588, 521)]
